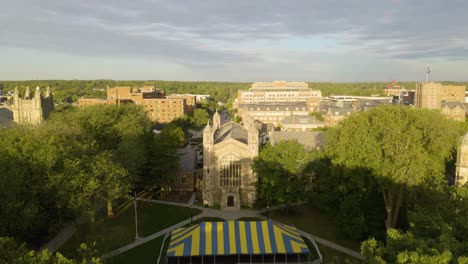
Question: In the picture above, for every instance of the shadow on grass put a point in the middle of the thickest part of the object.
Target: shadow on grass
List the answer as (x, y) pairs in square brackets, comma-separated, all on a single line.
[(115, 232)]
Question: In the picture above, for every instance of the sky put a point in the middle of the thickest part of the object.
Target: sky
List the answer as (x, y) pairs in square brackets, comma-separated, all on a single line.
[(241, 40)]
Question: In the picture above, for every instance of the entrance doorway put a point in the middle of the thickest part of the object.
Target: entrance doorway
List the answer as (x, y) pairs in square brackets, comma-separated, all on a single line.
[(230, 201)]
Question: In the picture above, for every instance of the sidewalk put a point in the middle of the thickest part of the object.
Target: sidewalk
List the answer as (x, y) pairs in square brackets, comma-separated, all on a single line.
[(227, 215)]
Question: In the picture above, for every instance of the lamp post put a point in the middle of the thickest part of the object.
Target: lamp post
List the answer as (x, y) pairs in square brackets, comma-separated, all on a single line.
[(268, 212), (191, 215), (136, 217)]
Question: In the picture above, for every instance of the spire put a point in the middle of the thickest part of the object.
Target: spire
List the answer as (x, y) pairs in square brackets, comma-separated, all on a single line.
[(216, 120), (38, 92), (27, 94), (48, 93), (16, 91)]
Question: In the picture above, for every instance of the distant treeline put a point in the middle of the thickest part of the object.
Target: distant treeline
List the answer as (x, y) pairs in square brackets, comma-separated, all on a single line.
[(70, 91)]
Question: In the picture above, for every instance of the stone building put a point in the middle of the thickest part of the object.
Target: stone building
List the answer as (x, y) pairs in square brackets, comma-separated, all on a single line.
[(228, 152), (300, 123), (461, 176), (32, 109), (272, 113), (454, 110), (334, 112)]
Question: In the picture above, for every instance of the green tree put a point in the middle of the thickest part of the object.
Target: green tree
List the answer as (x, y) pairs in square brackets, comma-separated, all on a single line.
[(281, 175), (14, 252), (400, 147), (200, 117)]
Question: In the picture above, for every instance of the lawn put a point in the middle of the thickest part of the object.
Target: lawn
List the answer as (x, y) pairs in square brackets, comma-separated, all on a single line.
[(148, 252), (313, 222), (115, 232)]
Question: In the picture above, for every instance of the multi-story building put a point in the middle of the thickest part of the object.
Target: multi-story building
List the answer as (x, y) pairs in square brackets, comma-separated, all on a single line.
[(431, 94), (300, 123), (454, 110), (333, 112), (393, 88), (228, 153), (280, 91), (32, 109), (128, 94), (190, 100), (160, 108), (273, 113), (163, 110)]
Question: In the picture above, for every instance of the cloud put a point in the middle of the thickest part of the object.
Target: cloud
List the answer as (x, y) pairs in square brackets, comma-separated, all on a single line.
[(213, 34)]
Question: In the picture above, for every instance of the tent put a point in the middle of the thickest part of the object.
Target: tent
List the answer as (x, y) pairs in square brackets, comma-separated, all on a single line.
[(237, 241)]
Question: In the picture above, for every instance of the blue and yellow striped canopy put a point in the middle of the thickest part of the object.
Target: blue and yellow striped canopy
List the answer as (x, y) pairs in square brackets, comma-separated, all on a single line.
[(236, 237)]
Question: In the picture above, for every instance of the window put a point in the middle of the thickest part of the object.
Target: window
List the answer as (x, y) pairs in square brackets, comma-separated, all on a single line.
[(230, 171)]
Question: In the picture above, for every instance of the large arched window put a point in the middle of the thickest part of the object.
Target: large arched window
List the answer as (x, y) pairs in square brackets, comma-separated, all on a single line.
[(230, 171)]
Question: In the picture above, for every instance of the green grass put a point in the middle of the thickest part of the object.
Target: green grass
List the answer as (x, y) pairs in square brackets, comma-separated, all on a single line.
[(146, 253), (316, 223), (118, 231), (249, 219)]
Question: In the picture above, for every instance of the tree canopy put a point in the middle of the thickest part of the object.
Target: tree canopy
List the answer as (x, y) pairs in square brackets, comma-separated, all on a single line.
[(400, 147), (282, 177)]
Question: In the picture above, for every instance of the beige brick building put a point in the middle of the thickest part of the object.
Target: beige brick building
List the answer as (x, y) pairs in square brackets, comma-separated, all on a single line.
[(273, 113), (228, 152), (32, 109), (431, 94), (160, 108), (280, 91), (454, 110), (190, 100)]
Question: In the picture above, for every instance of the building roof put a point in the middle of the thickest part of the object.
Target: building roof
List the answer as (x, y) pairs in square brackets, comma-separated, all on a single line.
[(234, 238), (452, 104), (276, 106), (301, 119), (231, 130), (309, 139)]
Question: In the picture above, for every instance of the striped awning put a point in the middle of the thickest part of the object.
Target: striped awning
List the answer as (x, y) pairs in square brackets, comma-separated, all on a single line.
[(236, 237)]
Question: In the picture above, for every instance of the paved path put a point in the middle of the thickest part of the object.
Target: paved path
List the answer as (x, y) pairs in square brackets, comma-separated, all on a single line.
[(227, 215)]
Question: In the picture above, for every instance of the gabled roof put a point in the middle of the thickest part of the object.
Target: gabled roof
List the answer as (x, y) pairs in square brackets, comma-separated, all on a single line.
[(301, 119), (231, 130), (309, 139), (452, 104)]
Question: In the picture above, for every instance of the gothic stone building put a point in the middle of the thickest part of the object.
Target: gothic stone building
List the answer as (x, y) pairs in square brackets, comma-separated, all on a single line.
[(229, 149), (462, 162), (32, 109)]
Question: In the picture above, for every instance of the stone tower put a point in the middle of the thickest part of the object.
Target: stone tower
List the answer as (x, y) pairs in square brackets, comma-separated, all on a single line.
[(208, 170), (462, 162), (32, 109)]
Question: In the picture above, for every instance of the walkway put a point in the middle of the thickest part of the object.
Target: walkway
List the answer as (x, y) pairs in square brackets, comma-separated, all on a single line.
[(227, 215)]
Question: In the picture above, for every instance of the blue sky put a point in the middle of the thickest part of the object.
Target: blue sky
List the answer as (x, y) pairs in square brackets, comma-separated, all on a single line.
[(242, 40)]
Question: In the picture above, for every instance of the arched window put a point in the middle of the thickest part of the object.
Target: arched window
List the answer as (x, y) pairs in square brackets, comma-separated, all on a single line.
[(230, 171)]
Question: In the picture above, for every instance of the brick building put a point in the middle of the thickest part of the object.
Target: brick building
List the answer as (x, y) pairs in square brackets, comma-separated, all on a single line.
[(431, 94), (160, 108)]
